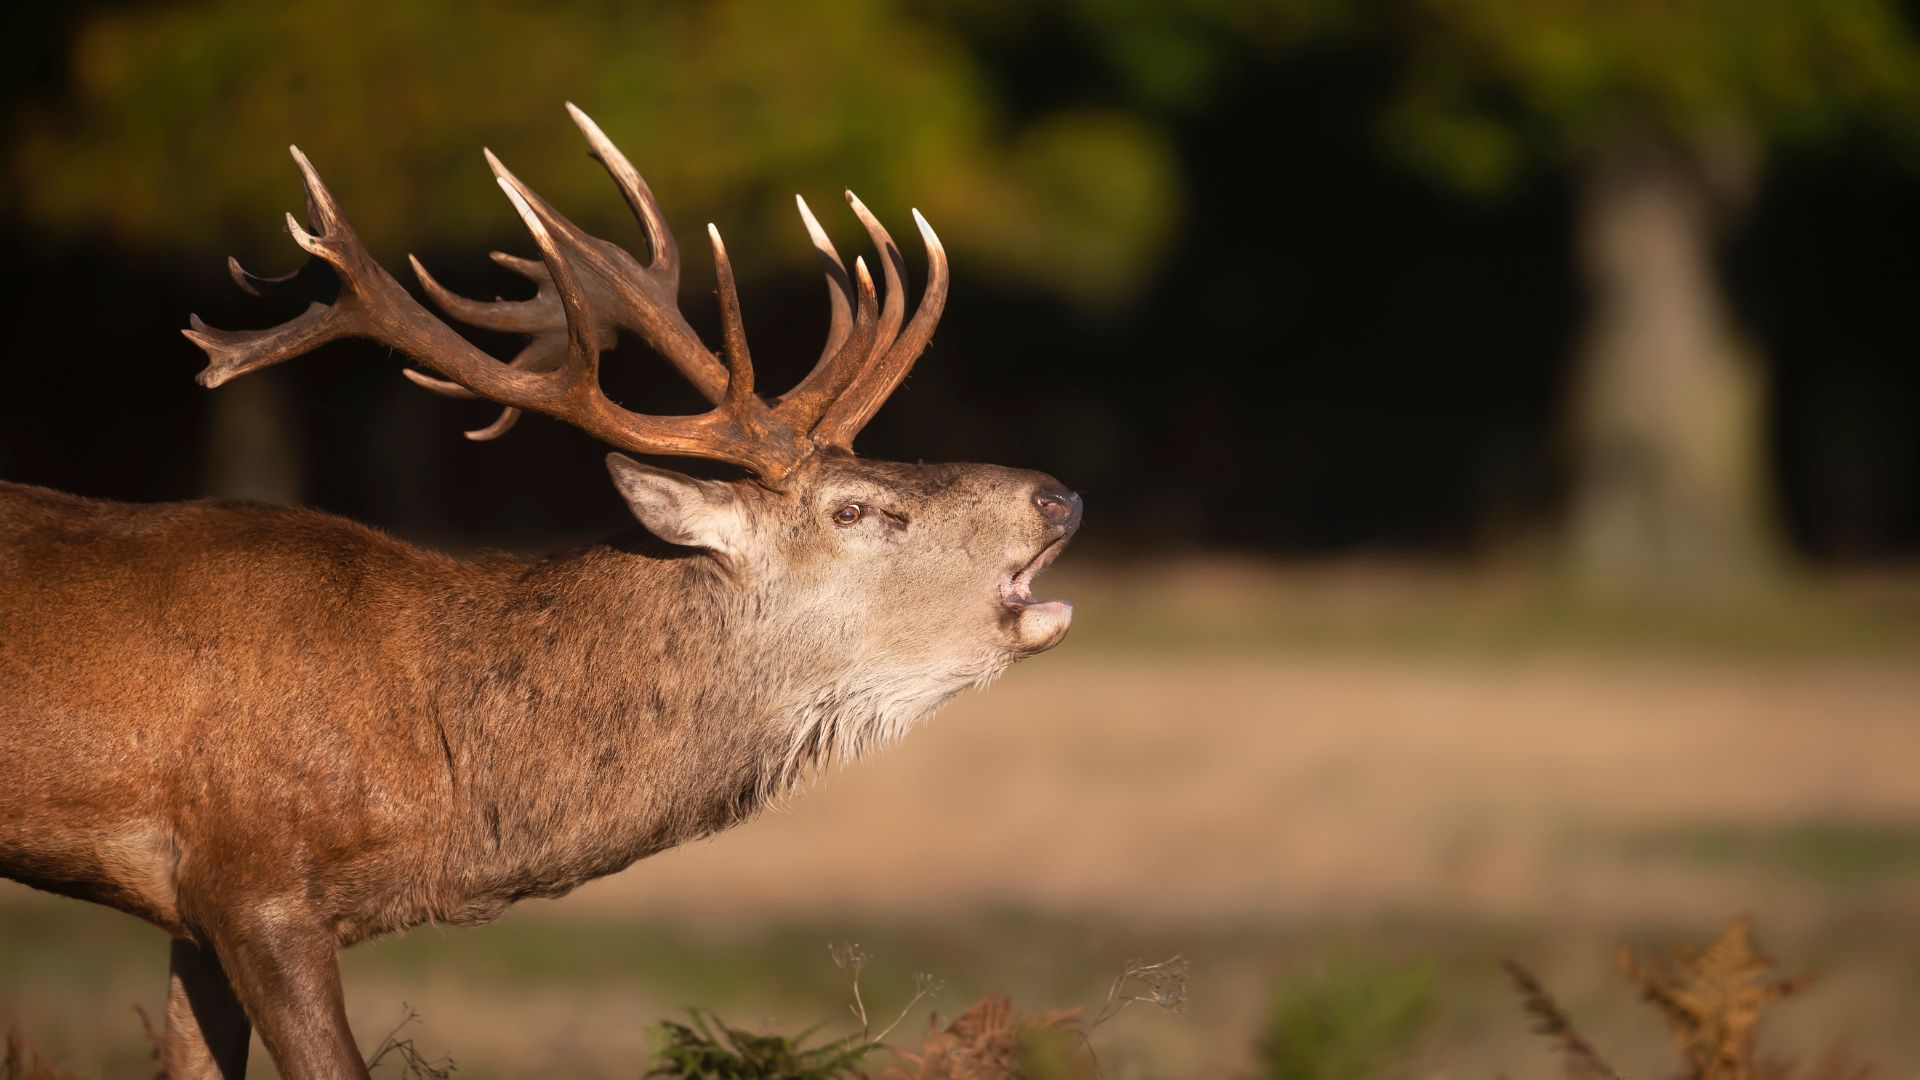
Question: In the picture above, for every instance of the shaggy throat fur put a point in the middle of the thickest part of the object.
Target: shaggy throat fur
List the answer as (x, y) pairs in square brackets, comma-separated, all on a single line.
[(860, 714)]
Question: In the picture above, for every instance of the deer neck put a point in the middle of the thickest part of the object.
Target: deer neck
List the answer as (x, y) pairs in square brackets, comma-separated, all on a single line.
[(635, 699)]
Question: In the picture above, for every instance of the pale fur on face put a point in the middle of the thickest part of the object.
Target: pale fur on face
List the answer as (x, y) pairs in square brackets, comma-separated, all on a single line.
[(885, 611)]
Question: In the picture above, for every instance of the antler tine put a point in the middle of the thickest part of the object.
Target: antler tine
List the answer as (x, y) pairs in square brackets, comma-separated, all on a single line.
[(883, 374), (622, 292), (233, 353), (809, 401), (552, 221), (439, 386), (261, 286), (502, 424), (543, 351), (840, 314), (802, 407), (510, 316), (664, 252), (583, 343), (532, 269), (540, 355), (368, 302), (322, 210), (893, 268), (733, 333)]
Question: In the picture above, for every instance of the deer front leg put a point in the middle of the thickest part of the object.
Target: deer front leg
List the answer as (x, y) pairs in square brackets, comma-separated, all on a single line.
[(207, 1030), (285, 971)]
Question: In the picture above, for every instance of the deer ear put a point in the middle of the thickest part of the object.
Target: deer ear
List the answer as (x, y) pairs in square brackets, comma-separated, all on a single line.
[(680, 509)]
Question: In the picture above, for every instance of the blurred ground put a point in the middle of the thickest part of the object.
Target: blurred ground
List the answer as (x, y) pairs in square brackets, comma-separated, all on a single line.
[(1281, 773)]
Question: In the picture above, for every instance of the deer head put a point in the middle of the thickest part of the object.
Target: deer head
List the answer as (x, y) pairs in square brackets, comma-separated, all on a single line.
[(926, 567)]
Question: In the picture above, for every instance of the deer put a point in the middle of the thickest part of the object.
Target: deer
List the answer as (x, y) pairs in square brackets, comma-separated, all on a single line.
[(274, 733)]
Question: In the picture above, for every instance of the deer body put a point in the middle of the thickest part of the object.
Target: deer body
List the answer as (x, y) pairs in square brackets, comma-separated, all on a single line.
[(273, 732), (464, 734)]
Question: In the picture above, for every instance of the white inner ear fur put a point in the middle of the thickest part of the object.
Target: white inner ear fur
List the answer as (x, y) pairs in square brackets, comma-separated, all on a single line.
[(681, 509)]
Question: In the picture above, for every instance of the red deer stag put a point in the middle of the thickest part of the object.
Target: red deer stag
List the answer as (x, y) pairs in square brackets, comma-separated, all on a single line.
[(274, 733)]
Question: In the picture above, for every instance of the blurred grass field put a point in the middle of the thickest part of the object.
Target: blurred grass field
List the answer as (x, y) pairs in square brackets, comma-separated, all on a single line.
[(1322, 777)]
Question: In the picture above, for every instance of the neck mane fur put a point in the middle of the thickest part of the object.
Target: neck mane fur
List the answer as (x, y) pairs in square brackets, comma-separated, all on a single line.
[(864, 711), (666, 700)]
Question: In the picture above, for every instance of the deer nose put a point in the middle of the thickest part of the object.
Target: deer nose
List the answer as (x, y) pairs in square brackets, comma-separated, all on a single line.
[(1059, 506)]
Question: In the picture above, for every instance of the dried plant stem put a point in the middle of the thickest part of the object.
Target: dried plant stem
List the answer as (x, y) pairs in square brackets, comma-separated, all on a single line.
[(859, 1007), (1163, 984), (1583, 1061), (924, 986), (851, 958), (413, 1063)]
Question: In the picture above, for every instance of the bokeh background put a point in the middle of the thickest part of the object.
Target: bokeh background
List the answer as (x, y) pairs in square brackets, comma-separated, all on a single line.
[(1500, 425)]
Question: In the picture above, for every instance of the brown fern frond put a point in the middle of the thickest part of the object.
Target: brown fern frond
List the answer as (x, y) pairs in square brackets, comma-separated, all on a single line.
[(986, 1042), (1713, 998)]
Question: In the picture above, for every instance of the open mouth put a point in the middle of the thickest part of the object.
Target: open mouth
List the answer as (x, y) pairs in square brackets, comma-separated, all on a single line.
[(1016, 589)]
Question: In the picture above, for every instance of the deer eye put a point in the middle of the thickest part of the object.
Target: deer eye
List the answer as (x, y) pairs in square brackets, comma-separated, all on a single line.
[(849, 514)]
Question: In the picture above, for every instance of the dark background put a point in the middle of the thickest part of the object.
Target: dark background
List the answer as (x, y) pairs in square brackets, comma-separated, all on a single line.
[(1332, 352)]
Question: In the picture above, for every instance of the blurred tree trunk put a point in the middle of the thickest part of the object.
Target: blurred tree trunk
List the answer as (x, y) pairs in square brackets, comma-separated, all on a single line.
[(1668, 415), (251, 449)]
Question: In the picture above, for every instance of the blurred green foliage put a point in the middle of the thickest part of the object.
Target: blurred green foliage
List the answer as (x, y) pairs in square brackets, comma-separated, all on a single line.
[(708, 1048), (1490, 85), (166, 132), (169, 132), (1832, 852), (1350, 1024), (1483, 88)]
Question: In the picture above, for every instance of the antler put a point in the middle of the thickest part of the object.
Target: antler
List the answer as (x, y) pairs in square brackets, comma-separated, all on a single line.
[(893, 351), (586, 289), (544, 351)]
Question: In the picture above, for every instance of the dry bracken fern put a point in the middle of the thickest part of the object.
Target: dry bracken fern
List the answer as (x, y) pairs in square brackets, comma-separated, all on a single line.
[(990, 1041), (1714, 998)]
